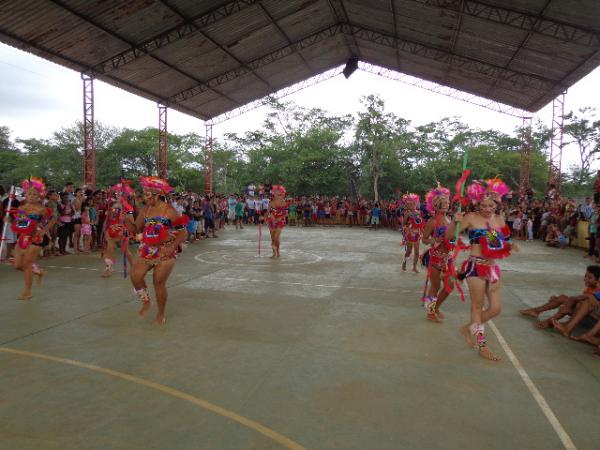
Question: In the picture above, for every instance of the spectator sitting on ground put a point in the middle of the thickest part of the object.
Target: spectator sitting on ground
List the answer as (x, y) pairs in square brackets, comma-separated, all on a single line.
[(589, 306), (565, 303), (554, 238)]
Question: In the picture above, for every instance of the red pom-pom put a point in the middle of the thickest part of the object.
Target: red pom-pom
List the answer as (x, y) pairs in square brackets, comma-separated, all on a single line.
[(181, 221)]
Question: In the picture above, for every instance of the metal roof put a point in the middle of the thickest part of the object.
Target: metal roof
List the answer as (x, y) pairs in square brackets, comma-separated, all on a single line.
[(205, 58)]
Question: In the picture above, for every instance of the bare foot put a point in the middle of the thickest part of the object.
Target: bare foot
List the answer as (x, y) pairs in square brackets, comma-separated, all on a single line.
[(529, 312), (272, 257), (544, 324), (415, 269), (160, 320), (40, 275), (433, 318), (440, 315), (561, 328), (145, 307), (486, 353), (586, 338), (464, 330), (404, 266), (24, 296)]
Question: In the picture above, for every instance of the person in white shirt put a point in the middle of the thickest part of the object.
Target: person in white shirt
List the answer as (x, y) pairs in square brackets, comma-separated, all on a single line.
[(231, 202), (250, 204)]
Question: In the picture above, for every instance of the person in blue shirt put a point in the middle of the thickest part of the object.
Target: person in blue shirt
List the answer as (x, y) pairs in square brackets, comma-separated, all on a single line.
[(375, 216)]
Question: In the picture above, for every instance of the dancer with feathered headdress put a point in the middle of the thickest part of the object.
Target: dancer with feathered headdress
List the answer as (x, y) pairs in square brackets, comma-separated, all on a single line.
[(490, 240), (114, 224), (413, 224), (438, 258), (31, 223), (162, 230), (275, 218)]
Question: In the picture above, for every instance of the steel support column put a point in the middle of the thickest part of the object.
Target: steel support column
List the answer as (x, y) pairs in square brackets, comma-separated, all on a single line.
[(525, 171), (89, 167), (162, 142), (556, 142), (208, 171)]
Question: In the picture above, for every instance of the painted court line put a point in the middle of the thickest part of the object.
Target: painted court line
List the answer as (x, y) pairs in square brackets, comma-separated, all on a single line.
[(69, 267), (331, 286), (271, 434), (537, 395)]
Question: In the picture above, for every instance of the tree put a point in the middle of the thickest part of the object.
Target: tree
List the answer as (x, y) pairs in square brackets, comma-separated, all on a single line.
[(377, 139), (584, 134)]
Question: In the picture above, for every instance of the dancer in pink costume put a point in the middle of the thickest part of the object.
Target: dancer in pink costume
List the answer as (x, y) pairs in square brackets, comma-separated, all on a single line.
[(490, 240), (162, 230), (31, 222)]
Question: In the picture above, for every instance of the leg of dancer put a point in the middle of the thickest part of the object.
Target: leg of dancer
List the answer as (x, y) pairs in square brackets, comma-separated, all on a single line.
[(25, 262), (109, 257), (409, 247), (416, 246), (161, 274), (278, 240), (273, 233), (137, 276)]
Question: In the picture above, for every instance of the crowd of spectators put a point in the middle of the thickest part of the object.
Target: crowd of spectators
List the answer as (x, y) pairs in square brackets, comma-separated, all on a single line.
[(80, 215)]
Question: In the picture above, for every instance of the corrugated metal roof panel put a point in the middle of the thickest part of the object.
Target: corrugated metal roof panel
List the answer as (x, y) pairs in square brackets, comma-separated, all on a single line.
[(503, 61)]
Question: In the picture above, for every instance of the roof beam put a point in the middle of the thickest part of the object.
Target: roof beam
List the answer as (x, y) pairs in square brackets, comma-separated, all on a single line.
[(562, 31), (559, 87), (121, 38), (174, 34), (223, 49), (261, 61), (452, 47), (393, 9), (518, 50), (469, 64), (341, 16), (284, 34)]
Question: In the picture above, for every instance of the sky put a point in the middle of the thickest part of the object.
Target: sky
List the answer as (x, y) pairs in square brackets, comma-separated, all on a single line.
[(38, 97)]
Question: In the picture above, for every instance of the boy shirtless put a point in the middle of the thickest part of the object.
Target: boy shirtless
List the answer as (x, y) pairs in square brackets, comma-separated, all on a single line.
[(565, 303)]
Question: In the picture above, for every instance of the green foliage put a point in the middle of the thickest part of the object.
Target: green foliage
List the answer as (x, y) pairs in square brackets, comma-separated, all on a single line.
[(311, 152)]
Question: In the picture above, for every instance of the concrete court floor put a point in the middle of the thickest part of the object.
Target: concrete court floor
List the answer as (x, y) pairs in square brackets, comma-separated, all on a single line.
[(327, 347)]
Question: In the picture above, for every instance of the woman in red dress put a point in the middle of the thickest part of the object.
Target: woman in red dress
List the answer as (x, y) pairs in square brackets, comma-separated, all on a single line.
[(162, 230), (276, 217), (31, 222), (115, 224), (413, 229), (438, 258)]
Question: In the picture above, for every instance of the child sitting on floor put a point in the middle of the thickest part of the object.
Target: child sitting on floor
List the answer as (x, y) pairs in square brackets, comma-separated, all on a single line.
[(565, 303)]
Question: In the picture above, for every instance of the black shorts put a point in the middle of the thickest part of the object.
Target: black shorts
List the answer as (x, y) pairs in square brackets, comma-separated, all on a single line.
[(76, 222)]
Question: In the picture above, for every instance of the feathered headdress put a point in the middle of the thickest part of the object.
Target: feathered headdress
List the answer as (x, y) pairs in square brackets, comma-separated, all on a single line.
[(493, 188), (434, 196), (155, 184), (278, 188), (411, 198), (34, 183), (124, 187)]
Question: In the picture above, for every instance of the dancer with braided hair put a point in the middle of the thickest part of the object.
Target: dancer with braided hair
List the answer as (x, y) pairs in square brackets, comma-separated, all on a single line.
[(31, 223), (276, 217), (162, 230), (413, 229), (115, 225), (490, 240), (438, 258)]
